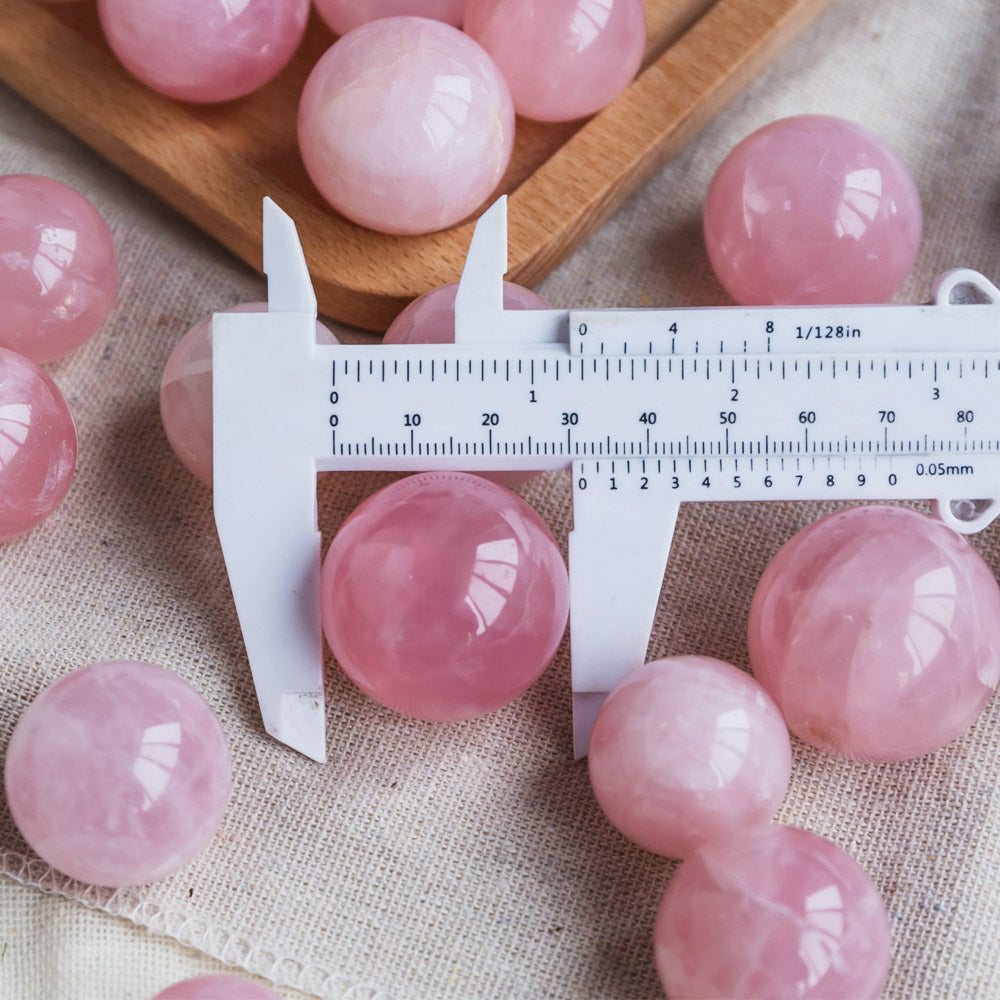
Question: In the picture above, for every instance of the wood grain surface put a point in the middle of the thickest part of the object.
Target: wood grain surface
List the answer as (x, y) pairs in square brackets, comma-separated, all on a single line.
[(214, 163)]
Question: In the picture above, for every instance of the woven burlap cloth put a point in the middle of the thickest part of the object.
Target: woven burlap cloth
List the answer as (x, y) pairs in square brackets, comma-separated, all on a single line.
[(470, 860)]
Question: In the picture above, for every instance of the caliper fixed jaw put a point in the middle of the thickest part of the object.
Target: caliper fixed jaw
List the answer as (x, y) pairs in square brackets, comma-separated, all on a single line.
[(265, 489)]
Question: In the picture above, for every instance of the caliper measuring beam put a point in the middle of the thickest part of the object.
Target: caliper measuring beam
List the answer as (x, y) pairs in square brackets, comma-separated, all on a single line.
[(648, 408)]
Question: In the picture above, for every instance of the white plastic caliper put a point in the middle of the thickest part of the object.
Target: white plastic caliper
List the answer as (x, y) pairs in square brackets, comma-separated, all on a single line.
[(648, 408)]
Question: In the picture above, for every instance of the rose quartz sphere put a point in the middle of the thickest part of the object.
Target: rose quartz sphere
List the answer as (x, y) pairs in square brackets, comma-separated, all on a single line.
[(444, 596), (406, 125), (877, 632), (58, 267), (186, 392), (343, 15), (37, 445), (775, 912), (217, 988), (563, 59), (118, 774), (688, 750), (430, 318), (812, 210), (204, 50)]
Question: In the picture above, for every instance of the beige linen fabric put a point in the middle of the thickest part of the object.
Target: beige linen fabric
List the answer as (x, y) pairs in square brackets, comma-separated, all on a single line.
[(469, 860)]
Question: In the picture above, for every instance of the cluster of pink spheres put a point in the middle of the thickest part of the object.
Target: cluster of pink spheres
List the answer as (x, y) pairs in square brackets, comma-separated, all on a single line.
[(58, 277), (870, 626), (406, 124)]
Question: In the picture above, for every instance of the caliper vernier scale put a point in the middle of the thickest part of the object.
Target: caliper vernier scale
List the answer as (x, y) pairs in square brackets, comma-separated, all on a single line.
[(648, 408)]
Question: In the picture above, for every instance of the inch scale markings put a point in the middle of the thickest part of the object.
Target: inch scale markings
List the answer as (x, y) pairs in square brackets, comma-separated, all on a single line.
[(649, 409)]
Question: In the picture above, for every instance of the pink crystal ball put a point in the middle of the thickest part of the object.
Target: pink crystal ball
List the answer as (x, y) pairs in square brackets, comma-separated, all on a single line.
[(877, 632), (118, 774), (812, 210), (430, 318), (186, 392), (217, 988), (344, 15), (775, 912), (688, 750), (444, 596), (406, 125), (204, 50), (58, 267), (37, 445), (563, 59)]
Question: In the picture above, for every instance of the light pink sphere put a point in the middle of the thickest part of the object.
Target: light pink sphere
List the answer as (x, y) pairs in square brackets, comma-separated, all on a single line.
[(775, 912), (37, 445), (118, 773), (563, 59), (430, 318), (406, 125), (877, 632), (444, 596), (186, 392), (344, 15), (204, 50), (812, 210), (58, 267), (217, 988), (688, 750)]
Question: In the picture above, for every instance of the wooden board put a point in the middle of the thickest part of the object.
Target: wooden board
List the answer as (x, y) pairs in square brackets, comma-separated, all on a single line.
[(215, 163)]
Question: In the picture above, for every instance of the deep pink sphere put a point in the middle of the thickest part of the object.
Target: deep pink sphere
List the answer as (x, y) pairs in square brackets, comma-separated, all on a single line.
[(186, 392), (37, 445), (406, 125), (58, 267), (444, 596), (344, 15), (118, 773), (688, 750), (812, 210), (775, 912), (204, 50), (877, 632), (217, 988), (563, 59)]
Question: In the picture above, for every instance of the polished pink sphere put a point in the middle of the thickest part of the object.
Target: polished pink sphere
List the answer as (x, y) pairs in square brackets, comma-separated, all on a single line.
[(563, 59), (344, 15), (118, 774), (406, 125), (812, 210), (688, 750), (186, 392), (775, 912), (217, 988), (58, 267), (430, 318), (204, 50), (877, 632), (37, 445), (444, 596)]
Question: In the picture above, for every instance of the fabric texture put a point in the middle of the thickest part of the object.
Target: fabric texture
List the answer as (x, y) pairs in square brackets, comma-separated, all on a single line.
[(470, 860)]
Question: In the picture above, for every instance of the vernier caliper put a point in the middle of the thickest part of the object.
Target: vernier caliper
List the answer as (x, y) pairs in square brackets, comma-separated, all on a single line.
[(648, 408)]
